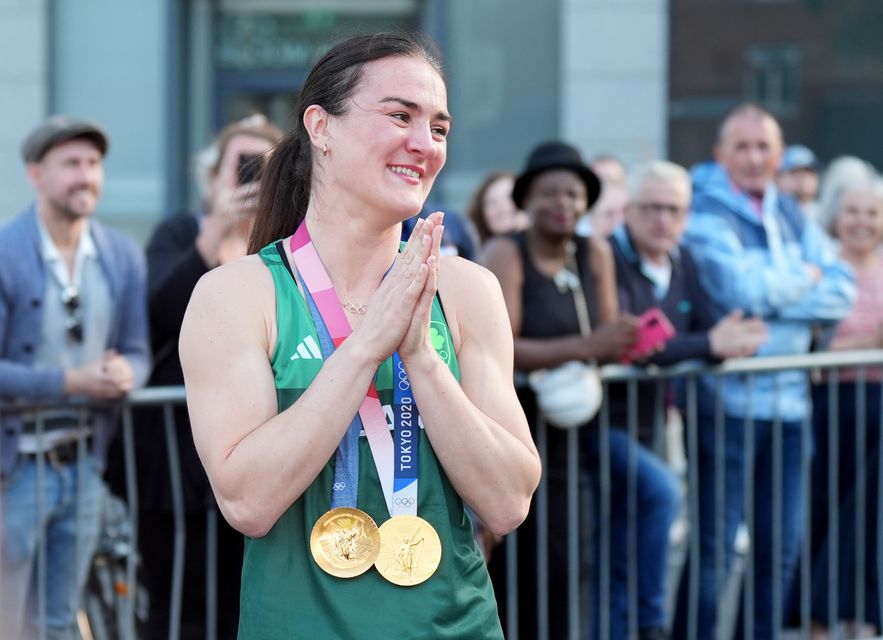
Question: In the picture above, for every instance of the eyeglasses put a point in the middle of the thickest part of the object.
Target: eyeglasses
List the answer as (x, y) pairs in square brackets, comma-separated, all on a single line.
[(70, 298), (658, 208)]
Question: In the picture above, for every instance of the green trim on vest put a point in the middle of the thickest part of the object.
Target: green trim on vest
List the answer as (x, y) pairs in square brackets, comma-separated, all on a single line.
[(285, 595)]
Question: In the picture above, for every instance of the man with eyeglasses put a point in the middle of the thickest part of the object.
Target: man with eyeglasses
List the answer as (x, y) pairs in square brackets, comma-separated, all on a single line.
[(73, 330), (653, 270), (757, 252)]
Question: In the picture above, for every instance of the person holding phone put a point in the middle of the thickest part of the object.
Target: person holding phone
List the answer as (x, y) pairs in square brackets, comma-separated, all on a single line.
[(182, 249), (657, 280)]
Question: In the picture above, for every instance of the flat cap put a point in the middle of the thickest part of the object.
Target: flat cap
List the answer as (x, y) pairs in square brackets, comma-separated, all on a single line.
[(59, 129)]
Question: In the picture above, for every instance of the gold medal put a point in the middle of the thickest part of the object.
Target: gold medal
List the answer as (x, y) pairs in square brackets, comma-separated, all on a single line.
[(410, 550), (345, 542)]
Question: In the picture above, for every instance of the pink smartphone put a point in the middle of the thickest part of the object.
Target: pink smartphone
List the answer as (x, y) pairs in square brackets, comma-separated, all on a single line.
[(654, 330)]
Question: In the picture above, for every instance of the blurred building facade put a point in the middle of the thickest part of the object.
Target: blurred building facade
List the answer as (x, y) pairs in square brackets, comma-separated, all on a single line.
[(816, 64), (163, 76), (636, 78)]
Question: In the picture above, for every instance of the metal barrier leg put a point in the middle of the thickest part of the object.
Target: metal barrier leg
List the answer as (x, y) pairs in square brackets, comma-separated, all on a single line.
[(632, 512), (693, 493), (604, 619), (721, 564), (806, 545), (777, 558), (860, 499), (748, 488), (573, 536), (542, 497), (211, 574), (88, 517), (79, 547), (180, 528), (131, 471), (879, 514), (512, 585), (41, 536), (833, 502)]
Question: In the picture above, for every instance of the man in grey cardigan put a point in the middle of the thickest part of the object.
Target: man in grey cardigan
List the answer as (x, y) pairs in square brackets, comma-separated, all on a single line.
[(73, 329)]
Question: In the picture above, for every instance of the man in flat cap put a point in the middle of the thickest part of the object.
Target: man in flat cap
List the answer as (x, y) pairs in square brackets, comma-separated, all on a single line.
[(73, 329)]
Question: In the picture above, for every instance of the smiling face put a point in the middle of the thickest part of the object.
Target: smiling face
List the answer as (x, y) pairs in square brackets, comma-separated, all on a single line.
[(68, 179), (385, 152), (859, 222), (556, 199)]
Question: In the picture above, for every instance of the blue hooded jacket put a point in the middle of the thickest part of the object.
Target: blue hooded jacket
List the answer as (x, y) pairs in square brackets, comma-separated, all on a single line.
[(757, 262)]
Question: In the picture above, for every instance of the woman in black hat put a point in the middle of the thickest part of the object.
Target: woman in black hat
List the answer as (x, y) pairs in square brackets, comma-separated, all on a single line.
[(537, 270)]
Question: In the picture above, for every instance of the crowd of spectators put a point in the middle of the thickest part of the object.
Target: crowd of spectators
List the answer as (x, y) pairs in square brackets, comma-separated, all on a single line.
[(760, 251)]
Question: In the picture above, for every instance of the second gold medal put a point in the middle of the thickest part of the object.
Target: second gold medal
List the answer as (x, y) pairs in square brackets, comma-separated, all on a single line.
[(410, 550)]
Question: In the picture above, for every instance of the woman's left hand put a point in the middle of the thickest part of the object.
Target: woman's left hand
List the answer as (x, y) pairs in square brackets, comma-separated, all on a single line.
[(416, 339)]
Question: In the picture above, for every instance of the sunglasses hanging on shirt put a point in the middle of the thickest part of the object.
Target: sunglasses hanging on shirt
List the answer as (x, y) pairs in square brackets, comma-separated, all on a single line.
[(70, 298)]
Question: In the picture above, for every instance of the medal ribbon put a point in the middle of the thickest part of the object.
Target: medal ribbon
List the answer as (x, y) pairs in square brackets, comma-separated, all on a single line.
[(345, 489), (406, 421), (317, 281)]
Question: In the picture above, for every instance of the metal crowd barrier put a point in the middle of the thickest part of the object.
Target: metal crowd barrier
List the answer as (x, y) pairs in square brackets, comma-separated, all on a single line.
[(110, 600), (582, 614), (735, 583)]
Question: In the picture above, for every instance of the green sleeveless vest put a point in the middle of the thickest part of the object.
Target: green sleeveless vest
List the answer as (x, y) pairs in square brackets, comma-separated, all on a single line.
[(286, 595)]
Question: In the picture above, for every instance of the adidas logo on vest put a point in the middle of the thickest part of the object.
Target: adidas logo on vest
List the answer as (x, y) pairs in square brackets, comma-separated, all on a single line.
[(307, 349)]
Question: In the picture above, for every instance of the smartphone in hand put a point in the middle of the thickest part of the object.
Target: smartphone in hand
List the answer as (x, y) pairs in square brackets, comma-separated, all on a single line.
[(654, 330)]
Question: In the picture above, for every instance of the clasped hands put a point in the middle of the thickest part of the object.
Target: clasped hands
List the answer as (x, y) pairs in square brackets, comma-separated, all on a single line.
[(398, 313)]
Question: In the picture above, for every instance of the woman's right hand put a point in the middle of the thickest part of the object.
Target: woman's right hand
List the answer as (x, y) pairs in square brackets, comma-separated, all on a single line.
[(391, 307), (609, 341)]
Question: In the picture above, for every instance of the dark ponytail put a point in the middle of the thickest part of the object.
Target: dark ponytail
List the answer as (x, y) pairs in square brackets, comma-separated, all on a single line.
[(287, 178)]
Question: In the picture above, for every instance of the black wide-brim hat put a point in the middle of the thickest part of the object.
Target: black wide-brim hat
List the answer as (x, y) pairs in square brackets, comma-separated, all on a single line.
[(555, 155)]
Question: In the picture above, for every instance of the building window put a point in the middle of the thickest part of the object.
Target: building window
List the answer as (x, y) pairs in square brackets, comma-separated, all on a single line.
[(773, 77), (286, 34), (263, 49)]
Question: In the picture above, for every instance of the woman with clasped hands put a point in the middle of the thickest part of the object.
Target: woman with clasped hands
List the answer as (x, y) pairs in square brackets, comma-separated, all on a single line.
[(272, 415)]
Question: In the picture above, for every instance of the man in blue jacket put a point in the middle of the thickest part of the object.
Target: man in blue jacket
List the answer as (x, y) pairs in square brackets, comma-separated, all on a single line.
[(73, 328), (756, 252)]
